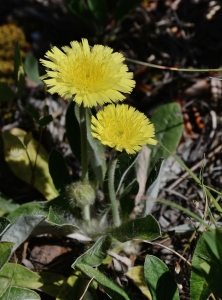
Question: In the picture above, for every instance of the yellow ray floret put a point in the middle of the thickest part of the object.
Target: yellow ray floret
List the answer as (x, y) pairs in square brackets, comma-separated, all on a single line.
[(123, 127), (93, 75)]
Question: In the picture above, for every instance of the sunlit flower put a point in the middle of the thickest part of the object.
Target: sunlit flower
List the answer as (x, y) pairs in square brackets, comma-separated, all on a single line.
[(93, 75), (123, 127)]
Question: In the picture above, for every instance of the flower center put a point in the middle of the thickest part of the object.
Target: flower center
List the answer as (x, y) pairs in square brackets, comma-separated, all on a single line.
[(119, 133), (88, 72)]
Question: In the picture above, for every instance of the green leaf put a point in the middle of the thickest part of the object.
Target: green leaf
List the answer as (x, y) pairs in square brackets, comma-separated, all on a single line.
[(5, 92), (76, 285), (31, 208), (46, 109), (45, 120), (18, 293), (96, 254), (142, 228), (211, 271), (35, 115), (19, 276), (58, 223), (95, 148), (32, 112), (124, 8), (27, 138), (32, 68), (55, 217), (127, 202), (212, 265), (81, 13), (213, 240), (19, 71), (12, 140), (51, 282), (168, 123), (21, 161), (47, 227), (96, 152), (111, 288), (153, 186), (160, 282), (98, 9), (125, 171), (19, 231), (4, 224), (21, 83), (55, 210), (58, 170), (5, 250), (60, 203), (6, 205), (62, 230), (3, 286), (55, 222), (137, 275), (198, 287), (218, 238), (73, 130), (153, 176)]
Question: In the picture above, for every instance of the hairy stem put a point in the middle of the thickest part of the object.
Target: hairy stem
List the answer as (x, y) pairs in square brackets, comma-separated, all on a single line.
[(86, 213), (84, 156), (84, 143), (112, 194)]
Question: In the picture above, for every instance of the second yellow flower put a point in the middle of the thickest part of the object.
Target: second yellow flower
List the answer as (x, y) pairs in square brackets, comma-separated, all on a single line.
[(123, 127)]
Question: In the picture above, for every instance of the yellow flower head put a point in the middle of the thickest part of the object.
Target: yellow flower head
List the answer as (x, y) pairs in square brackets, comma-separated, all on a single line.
[(123, 127), (94, 75)]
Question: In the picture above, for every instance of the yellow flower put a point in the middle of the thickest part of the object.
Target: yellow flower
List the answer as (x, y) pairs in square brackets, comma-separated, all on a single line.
[(123, 127), (94, 75)]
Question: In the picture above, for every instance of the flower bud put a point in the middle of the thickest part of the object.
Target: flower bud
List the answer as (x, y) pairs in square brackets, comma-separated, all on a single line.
[(80, 193)]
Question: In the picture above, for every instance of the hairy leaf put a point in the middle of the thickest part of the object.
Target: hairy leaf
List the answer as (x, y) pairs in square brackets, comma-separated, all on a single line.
[(4, 224), (14, 292), (16, 275), (96, 254), (142, 228), (5, 250), (19, 231)]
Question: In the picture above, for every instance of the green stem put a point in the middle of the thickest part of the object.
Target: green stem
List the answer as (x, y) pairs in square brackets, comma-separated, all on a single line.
[(188, 245), (84, 143), (186, 211), (171, 68), (86, 213), (84, 157), (112, 194)]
